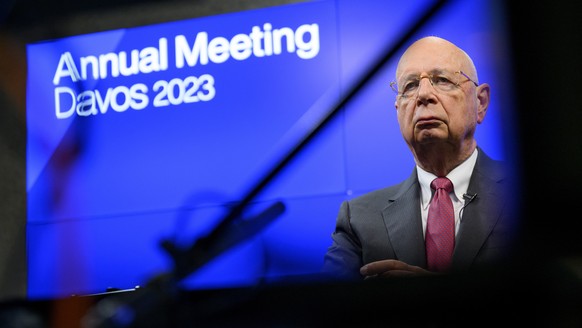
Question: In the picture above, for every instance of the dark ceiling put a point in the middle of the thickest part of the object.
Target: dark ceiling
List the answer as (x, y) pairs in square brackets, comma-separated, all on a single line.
[(34, 20)]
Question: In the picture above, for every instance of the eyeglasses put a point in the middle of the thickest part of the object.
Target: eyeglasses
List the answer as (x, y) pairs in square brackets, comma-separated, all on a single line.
[(441, 82)]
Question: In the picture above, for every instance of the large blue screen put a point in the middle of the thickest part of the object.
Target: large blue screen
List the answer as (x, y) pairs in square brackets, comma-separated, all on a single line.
[(150, 133)]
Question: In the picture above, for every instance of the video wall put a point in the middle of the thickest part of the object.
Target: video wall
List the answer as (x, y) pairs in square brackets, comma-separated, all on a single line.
[(152, 133)]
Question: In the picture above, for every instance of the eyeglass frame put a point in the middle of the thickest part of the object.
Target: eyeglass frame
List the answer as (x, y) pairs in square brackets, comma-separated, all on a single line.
[(394, 84)]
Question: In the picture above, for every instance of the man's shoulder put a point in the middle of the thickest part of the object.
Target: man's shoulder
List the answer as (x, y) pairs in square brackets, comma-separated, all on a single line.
[(379, 196), (495, 169)]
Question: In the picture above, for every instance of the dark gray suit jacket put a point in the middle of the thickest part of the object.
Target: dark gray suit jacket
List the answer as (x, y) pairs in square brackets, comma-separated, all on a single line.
[(386, 224)]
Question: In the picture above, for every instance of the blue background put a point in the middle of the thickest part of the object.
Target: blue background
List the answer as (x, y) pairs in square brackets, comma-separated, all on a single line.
[(103, 191)]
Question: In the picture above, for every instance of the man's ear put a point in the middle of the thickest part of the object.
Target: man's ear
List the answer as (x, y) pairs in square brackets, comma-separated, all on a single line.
[(483, 98)]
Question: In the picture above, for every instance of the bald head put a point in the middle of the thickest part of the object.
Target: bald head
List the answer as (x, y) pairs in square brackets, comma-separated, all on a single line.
[(438, 118), (432, 52)]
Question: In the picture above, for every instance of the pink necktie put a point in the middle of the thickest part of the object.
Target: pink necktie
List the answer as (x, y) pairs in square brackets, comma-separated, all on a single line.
[(440, 227)]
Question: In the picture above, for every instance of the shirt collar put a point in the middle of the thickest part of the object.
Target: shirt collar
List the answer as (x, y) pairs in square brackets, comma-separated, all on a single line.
[(459, 176)]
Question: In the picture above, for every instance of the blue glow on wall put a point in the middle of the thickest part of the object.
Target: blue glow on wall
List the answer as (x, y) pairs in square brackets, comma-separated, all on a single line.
[(115, 164)]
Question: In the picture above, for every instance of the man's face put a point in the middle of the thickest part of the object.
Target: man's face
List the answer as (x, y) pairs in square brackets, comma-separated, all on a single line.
[(444, 111)]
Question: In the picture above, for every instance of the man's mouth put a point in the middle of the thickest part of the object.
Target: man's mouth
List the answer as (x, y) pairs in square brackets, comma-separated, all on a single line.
[(428, 123)]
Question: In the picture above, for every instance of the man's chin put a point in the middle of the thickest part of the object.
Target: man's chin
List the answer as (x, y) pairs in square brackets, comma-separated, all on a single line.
[(430, 136)]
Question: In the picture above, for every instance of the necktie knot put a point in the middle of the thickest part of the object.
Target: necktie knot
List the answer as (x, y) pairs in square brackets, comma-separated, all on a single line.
[(442, 183)]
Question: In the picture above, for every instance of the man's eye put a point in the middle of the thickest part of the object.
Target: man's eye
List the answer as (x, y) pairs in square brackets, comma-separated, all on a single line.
[(442, 80), (410, 86)]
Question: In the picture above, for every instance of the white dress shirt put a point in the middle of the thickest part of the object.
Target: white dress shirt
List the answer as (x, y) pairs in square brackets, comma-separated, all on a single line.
[(459, 176)]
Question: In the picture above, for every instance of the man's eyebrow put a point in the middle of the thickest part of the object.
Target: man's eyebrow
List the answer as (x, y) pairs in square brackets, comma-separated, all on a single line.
[(410, 76), (415, 75), (438, 71)]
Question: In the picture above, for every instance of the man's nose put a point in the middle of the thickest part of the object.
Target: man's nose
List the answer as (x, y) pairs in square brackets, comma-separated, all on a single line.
[(426, 91)]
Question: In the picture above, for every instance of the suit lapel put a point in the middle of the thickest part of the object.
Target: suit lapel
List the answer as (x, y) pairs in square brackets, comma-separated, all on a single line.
[(403, 223), (480, 216)]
